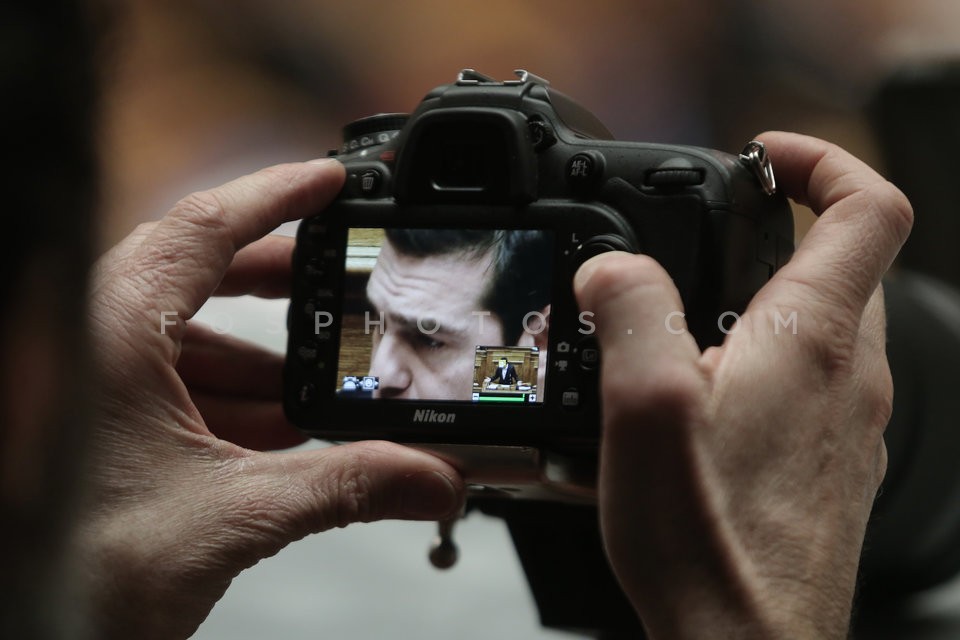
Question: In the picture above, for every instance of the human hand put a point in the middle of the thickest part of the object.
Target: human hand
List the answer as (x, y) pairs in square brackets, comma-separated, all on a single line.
[(735, 484), (180, 501)]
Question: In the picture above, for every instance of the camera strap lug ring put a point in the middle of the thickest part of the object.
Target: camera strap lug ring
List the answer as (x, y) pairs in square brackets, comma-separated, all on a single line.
[(754, 155)]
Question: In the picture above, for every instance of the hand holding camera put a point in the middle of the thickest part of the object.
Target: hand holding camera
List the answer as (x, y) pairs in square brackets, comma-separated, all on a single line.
[(184, 497), (734, 482)]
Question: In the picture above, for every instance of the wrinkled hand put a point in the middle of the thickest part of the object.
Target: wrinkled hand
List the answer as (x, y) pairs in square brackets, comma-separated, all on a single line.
[(180, 501), (736, 483)]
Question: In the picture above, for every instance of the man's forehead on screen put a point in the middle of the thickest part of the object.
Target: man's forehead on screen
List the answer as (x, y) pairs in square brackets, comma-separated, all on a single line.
[(436, 294)]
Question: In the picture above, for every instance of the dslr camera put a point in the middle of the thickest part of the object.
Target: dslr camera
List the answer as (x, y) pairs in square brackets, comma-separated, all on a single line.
[(432, 302)]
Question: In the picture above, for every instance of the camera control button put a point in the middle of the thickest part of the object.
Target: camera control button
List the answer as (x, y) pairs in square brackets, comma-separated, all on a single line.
[(316, 228), (315, 270), (585, 170), (588, 354), (308, 354), (316, 311), (312, 356), (570, 399), (541, 134), (307, 394), (674, 178), (369, 183)]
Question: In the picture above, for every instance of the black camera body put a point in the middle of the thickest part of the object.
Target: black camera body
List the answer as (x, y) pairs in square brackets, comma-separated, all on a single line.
[(487, 199)]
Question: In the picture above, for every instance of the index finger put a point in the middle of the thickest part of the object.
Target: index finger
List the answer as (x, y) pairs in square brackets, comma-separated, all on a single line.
[(191, 248), (263, 269), (863, 222)]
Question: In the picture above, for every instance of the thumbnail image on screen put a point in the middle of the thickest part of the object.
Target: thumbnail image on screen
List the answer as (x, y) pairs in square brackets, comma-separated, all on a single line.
[(425, 310), (506, 374)]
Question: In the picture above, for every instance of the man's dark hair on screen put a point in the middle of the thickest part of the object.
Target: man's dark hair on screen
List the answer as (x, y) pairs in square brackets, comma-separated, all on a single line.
[(520, 277)]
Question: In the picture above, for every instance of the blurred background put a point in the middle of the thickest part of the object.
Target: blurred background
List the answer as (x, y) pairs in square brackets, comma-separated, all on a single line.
[(199, 92)]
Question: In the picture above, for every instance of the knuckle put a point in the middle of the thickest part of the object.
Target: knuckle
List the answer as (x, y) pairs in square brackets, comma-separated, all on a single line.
[(889, 214), (897, 211), (350, 492), (883, 459), (199, 204), (144, 228), (833, 354), (878, 397), (204, 209), (829, 334)]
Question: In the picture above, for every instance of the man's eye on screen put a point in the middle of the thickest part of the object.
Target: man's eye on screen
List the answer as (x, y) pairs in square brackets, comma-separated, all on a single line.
[(427, 341)]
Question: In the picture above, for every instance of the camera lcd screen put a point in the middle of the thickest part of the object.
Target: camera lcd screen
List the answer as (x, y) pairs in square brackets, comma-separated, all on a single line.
[(446, 314)]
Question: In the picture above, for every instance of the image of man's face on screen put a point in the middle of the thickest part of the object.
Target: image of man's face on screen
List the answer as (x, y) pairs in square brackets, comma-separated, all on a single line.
[(437, 305)]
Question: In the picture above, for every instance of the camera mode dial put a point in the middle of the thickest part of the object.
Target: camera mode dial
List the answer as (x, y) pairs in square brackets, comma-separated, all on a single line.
[(372, 130)]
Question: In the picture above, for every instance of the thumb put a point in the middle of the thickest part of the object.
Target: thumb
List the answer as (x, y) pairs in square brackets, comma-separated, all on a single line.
[(180, 552), (639, 320), (364, 482), (650, 378), (650, 386), (282, 497)]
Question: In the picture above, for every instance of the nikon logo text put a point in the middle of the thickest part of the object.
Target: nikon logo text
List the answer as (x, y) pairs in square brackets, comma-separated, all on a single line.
[(431, 416)]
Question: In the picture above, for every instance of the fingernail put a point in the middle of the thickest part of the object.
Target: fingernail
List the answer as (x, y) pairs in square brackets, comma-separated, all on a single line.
[(429, 495), (322, 161)]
